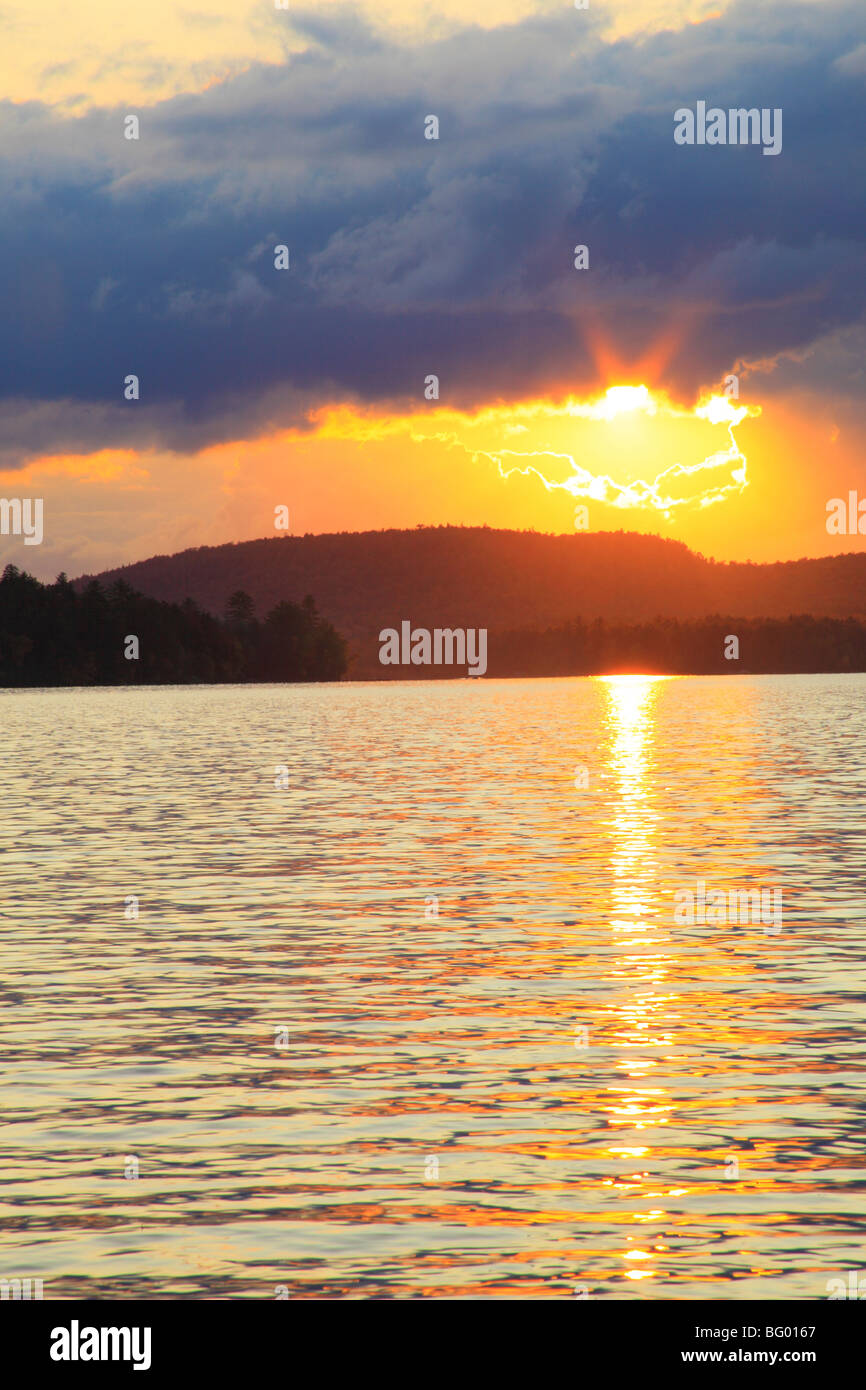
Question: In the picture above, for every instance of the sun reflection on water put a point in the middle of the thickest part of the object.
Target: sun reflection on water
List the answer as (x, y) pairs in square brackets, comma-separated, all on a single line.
[(580, 1066), (642, 1010)]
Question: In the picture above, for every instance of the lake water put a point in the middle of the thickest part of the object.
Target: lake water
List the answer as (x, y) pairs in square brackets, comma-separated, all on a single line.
[(551, 1087)]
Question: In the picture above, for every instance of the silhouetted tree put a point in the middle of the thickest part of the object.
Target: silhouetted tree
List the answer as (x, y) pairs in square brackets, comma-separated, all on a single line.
[(240, 608), (57, 635)]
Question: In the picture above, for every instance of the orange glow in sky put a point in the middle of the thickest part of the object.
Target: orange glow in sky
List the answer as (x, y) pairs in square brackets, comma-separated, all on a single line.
[(526, 465)]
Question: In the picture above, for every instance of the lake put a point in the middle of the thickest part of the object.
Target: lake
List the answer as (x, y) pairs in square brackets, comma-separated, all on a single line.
[(410, 1006)]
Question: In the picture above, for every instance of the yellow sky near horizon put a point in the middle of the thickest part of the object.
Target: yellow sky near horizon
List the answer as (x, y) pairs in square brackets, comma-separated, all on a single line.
[(118, 506), (99, 53)]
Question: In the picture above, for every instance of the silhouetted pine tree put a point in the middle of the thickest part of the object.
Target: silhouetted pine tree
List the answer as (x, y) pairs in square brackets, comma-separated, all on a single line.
[(56, 635)]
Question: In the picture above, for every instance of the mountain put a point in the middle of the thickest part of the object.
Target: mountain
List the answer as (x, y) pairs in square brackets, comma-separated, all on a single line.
[(454, 576)]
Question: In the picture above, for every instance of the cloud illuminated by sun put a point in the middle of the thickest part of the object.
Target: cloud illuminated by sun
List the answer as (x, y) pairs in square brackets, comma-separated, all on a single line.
[(626, 400), (639, 431)]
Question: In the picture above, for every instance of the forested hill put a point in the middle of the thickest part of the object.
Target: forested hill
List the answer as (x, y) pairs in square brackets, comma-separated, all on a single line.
[(502, 580)]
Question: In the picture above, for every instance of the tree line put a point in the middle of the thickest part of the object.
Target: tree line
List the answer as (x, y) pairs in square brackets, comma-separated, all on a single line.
[(57, 634), (666, 646), (65, 634)]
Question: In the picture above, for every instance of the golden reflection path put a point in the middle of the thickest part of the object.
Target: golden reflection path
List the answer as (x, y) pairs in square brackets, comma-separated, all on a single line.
[(641, 1015)]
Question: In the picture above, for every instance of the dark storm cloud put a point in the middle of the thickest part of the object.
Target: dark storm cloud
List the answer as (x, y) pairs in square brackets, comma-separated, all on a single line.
[(410, 256)]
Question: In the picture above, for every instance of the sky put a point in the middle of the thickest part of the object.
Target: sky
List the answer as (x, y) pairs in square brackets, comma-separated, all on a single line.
[(727, 283)]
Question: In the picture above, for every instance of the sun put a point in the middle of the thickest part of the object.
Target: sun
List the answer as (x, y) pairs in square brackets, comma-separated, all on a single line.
[(623, 400), (707, 480), (631, 446)]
